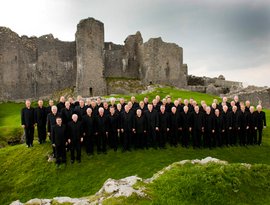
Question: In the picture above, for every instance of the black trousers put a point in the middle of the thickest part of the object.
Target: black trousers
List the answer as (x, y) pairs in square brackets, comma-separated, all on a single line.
[(101, 142), (173, 137), (161, 137), (75, 147), (41, 133), (233, 136), (89, 143), (127, 140), (225, 137), (152, 138), (60, 151), (197, 137), (217, 141), (242, 136), (260, 132), (207, 138), (113, 139), (185, 137), (29, 135), (251, 136), (139, 140)]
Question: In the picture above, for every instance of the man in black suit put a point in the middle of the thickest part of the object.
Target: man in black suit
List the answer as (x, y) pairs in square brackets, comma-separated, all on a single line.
[(59, 140), (40, 120), (219, 126), (151, 117), (89, 130), (198, 127), (209, 128), (75, 137), (113, 128), (66, 113), (163, 126), (61, 104), (225, 119), (242, 125), (261, 122), (252, 124), (51, 121), (233, 129), (186, 126), (140, 129), (174, 126), (101, 131), (135, 105), (80, 110), (28, 123), (127, 126), (49, 108)]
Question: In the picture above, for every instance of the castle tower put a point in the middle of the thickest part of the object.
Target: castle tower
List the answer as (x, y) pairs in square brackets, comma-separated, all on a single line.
[(90, 63)]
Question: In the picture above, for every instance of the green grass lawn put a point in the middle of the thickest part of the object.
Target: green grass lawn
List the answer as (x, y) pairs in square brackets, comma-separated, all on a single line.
[(25, 173)]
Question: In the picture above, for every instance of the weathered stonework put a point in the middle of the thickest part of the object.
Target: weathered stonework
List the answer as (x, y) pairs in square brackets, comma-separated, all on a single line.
[(90, 64), (32, 67), (162, 63)]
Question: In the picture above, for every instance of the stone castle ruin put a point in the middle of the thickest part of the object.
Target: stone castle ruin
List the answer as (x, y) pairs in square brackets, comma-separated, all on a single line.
[(32, 67)]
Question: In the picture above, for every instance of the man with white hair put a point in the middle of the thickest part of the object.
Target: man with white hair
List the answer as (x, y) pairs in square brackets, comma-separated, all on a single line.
[(233, 129), (75, 137), (163, 126), (209, 128), (61, 104), (261, 122), (40, 120), (88, 124), (80, 110), (198, 127), (28, 123), (186, 124), (101, 131), (225, 131), (51, 121), (66, 113), (242, 126), (151, 117), (252, 123), (127, 125), (236, 102), (174, 125), (113, 128)]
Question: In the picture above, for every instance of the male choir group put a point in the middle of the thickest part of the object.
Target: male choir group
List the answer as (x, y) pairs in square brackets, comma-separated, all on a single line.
[(94, 122)]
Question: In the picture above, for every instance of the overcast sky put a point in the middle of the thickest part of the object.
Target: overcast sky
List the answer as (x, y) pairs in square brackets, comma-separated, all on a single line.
[(229, 37)]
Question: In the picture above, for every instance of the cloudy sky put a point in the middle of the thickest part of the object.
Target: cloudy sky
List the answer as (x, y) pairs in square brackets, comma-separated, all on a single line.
[(229, 37)]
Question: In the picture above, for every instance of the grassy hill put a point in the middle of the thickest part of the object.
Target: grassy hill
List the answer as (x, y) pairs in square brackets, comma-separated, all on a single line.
[(25, 173), (205, 184)]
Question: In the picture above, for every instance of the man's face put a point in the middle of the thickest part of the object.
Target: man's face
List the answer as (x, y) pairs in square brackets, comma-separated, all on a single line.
[(27, 103), (40, 103), (59, 121), (74, 118)]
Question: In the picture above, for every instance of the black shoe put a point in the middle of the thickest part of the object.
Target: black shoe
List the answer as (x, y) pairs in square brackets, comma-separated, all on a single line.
[(72, 161), (79, 161)]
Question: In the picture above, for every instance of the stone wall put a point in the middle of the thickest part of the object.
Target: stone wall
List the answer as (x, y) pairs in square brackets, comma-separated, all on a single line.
[(90, 62), (214, 86), (122, 60), (161, 63), (254, 94), (34, 67)]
